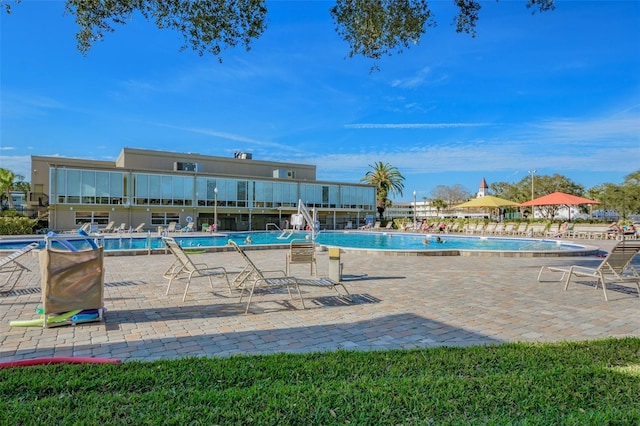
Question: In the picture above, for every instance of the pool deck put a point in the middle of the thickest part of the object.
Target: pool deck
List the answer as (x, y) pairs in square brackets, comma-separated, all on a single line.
[(398, 302)]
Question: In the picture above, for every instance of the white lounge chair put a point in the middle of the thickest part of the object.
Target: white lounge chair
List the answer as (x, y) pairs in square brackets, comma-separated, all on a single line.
[(108, 228), (139, 228), (188, 227), (10, 265), (615, 267), (251, 278), (183, 268)]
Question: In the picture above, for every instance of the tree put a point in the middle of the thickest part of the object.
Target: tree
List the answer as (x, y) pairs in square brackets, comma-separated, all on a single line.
[(451, 195), (7, 185), (388, 181), (623, 200), (371, 28), (439, 204), (542, 185)]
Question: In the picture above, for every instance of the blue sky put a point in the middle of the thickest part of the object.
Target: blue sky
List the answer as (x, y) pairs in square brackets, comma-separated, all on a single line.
[(558, 92)]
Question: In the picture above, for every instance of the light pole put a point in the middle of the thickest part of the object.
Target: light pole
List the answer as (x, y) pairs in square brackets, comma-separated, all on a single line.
[(532, 172), (215, 209), (415, 217)]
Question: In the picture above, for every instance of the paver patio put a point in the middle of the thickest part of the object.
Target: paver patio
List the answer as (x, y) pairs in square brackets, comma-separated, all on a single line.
[(399, 302)]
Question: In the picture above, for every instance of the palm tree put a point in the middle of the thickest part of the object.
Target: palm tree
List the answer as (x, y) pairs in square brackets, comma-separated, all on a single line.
[(387, 179), (439, 204), (7, 178)]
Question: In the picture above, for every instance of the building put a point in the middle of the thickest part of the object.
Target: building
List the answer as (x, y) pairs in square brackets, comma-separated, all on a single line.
[(483, 189), (419, 209), (157, 187)]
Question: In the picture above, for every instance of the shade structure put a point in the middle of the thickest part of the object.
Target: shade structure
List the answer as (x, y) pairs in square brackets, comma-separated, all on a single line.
[(488, 201), (559, 199)]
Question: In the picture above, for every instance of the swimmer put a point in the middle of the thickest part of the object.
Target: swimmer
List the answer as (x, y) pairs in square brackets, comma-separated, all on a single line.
[(425, 241), (248, 240), (439, 240)]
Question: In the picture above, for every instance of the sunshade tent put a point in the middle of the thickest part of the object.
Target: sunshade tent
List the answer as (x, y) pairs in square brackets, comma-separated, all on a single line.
[(559, 199), (488, 201)]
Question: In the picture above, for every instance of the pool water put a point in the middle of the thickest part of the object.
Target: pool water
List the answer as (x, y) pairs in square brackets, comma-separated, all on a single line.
[(356, 240)]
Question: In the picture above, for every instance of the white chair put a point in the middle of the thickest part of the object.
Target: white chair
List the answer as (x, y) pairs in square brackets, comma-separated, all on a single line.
[(302, 251), (9, 264), (183, 268), (251, 278), (615, 267)]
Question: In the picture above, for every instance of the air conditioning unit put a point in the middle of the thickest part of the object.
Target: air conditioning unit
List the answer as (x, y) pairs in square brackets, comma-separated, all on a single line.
[(284, 174), (242, 155)]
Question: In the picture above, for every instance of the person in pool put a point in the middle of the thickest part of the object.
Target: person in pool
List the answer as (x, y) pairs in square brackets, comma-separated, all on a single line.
[(248, 240), (439, 240)]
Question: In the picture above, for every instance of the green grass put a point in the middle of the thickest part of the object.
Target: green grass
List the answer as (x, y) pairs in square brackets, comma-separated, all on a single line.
[(582, 383)]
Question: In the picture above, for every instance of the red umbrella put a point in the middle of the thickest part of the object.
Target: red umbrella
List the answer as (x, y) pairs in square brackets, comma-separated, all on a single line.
[(558, 199)]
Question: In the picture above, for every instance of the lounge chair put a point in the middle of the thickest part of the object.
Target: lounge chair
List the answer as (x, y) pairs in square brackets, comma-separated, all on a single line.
[(122, 228), (86, 227), (302, 251), (172, 227), (183, 268), (491, 228), (615, 267), (188, 228), (251, 278), (139, 228), (536, 229), (10, 265), (108, 228)]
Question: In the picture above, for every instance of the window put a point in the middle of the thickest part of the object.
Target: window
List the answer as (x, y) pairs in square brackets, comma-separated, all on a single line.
[(163, 218)]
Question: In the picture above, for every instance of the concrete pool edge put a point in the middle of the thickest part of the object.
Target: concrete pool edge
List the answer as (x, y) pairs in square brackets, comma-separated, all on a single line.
[(580, 249), (584, 250)]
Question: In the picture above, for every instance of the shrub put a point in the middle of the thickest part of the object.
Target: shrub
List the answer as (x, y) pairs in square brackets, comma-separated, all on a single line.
[(17, 225)]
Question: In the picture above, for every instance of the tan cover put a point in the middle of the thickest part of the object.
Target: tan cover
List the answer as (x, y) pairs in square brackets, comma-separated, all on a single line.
[(72, 280)]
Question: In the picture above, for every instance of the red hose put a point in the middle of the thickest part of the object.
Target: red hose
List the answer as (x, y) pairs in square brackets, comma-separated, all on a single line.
[(59, 360)]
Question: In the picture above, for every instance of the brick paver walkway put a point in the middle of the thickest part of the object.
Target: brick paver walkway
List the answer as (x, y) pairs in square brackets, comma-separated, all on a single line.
[(398, 302)]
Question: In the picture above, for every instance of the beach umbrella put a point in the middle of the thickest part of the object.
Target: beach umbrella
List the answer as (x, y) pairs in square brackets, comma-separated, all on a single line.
[(559, 199), (488, 201)]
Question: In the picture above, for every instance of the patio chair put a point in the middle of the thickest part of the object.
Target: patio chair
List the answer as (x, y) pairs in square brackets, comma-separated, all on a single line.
[(251, 278), (108, 228), (188, 227), (183, 268), (86, 227), (615, 267), (10, 265), (302, 251), (172, 227), (139, 228)]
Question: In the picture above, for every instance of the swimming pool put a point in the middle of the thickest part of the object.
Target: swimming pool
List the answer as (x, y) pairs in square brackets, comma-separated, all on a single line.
[(386, 242)]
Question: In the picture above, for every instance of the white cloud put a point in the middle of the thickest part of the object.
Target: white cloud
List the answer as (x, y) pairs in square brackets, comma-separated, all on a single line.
[(18, 164), (417, 80)]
